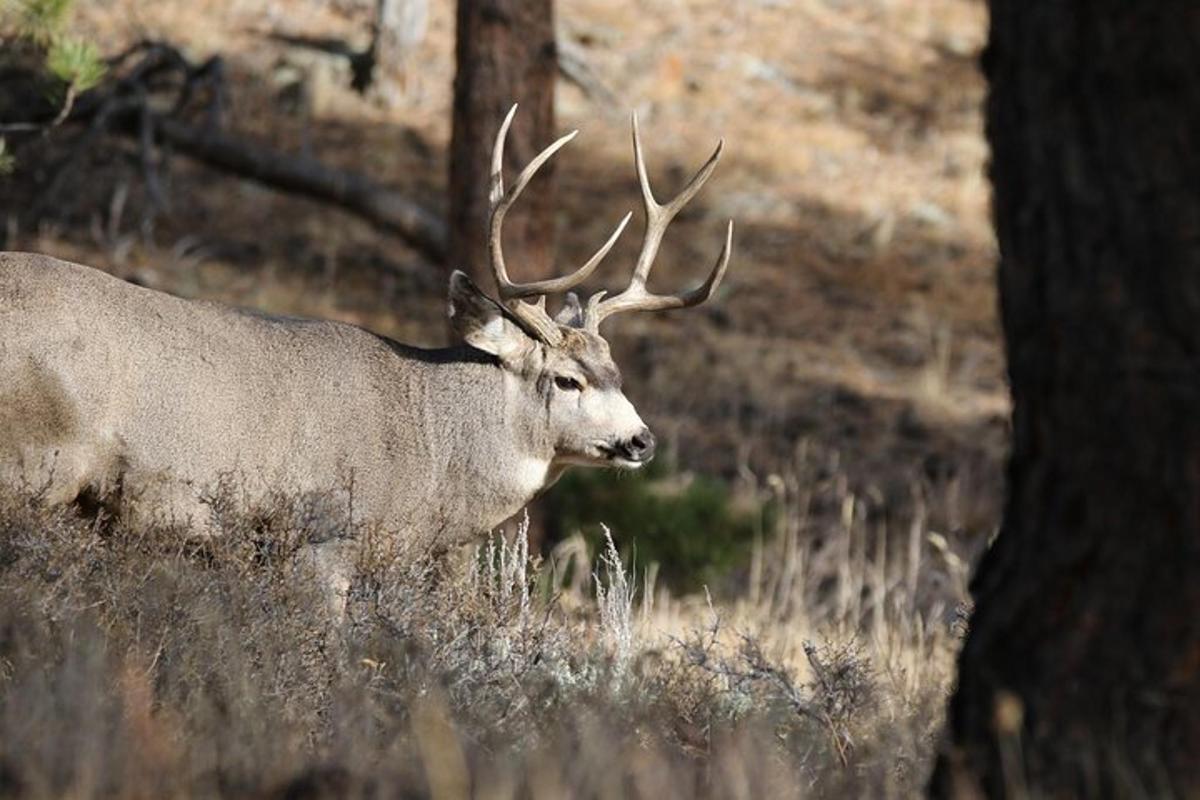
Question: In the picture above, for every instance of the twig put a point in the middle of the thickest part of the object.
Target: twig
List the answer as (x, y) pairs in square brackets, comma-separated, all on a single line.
[(146, 159), (44, 128), (68, 104), (576, 68), (86, 143)]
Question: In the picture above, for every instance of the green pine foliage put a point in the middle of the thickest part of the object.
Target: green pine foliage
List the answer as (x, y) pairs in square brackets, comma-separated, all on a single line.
[(34, 40), (40, 27), (75, 62), (41, 21)]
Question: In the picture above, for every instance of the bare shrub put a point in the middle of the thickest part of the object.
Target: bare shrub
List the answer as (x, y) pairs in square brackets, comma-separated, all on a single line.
[(135, 661)]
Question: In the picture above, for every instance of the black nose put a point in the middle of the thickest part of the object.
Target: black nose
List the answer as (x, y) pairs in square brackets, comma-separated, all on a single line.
[(639, 447)]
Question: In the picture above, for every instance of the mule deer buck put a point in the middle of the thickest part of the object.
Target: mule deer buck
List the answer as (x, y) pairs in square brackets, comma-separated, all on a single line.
[(109, 390)]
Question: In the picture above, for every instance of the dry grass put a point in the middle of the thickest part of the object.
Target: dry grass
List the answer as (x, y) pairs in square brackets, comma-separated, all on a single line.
[(133, 663)]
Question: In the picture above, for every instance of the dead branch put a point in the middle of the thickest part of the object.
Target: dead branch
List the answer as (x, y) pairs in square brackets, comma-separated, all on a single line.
[(127, 106), (378, 204), (574, 66)]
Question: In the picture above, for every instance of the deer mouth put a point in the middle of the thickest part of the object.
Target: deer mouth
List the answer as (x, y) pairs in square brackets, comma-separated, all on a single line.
[(624, 463), (617, 456)]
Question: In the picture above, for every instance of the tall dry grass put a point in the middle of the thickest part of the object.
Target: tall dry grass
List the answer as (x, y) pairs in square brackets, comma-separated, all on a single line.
[(137, 663)]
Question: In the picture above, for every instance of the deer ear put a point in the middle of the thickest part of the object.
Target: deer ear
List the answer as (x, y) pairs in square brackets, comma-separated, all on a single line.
[(571, 314), (482, 323)]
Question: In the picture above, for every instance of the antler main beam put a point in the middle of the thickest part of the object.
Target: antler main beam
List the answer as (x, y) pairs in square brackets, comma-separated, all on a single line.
[(532, 315)]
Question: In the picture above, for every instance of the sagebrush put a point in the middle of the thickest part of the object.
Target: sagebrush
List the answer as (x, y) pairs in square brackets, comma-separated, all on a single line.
[(137, 662)]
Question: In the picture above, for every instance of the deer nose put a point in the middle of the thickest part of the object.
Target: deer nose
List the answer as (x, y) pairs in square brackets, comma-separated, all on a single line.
[(640, 446)]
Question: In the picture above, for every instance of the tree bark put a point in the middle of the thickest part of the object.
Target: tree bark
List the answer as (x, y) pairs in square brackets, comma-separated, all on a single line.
[(1080, 676), (505, 51)]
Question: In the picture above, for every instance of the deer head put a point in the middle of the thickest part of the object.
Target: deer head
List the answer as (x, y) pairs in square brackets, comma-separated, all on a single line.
[(563, 363)]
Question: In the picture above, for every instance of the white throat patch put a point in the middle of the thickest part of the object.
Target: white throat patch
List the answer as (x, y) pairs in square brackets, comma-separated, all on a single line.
[(530, 474)]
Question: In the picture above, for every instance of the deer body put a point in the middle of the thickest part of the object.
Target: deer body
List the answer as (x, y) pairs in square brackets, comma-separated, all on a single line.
[(149, 402), (105, 385)]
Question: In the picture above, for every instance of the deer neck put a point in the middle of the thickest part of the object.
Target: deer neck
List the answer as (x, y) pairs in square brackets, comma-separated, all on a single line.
[(489, 437)]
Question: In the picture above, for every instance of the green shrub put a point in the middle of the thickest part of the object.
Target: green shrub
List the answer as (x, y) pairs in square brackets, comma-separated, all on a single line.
[(687, 524)]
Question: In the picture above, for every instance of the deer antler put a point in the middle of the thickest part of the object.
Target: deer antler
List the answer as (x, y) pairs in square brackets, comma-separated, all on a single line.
[(636, 297), (532, 316)]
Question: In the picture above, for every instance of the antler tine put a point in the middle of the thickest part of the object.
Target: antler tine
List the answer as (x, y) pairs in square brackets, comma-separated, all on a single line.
[(636, 298), (501, 201), (658, 217), (496, 192)]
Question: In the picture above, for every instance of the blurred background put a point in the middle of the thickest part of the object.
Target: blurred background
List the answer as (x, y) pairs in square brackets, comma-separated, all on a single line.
[(782, 599), (853, 351)]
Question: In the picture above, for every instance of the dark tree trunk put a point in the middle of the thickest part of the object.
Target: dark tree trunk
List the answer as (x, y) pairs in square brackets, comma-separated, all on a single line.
[(505, 54), (1080, 676)]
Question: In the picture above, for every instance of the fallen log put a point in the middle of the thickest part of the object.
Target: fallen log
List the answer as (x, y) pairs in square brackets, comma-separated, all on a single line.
[(381, 205)]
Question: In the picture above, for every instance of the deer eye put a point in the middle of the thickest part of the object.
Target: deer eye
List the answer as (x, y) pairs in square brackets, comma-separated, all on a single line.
[(567, 384)]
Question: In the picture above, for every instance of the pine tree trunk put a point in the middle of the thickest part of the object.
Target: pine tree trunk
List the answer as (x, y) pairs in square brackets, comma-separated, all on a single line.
[(1081, 672), (506, 54)]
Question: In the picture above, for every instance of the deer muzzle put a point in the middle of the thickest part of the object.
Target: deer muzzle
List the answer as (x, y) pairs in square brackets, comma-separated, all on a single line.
[(639, 448)]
